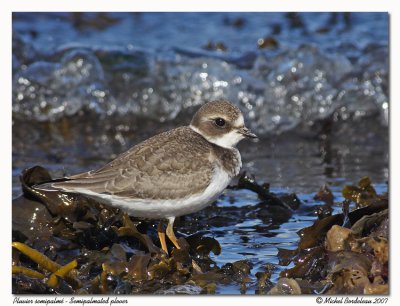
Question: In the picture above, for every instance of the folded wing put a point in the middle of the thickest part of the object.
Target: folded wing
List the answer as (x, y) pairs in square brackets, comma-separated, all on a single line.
[(170, 165)]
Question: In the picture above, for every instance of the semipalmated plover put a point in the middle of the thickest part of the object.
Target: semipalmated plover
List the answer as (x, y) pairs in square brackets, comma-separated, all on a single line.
[(174, 173)]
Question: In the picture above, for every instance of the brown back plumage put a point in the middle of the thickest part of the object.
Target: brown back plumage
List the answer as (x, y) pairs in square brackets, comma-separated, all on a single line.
[(173, 164)]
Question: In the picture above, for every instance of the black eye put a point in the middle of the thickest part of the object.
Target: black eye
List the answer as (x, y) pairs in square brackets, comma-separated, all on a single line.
[(220, 122)]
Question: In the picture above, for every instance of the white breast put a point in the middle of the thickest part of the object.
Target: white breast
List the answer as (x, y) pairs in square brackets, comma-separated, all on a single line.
[(161, 209)]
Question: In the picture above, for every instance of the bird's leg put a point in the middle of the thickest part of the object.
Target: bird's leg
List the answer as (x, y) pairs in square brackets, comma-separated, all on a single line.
[(161, 236), (170, 232)]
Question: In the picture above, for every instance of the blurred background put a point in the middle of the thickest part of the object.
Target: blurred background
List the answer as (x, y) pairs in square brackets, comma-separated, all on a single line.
[(313, 86), (87, 86)]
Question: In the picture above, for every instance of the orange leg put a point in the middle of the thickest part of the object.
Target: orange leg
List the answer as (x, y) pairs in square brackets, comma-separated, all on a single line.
[(161, 236), (170, 232)]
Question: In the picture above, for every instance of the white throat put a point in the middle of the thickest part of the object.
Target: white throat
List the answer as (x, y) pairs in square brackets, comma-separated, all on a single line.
[(228, 140)]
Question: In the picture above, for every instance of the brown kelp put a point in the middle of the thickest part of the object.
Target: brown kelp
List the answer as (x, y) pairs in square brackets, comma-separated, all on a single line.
[(69, 244), (345, 253)]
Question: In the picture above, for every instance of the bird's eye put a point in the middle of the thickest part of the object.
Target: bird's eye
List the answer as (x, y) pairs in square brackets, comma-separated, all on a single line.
[(220, 122)]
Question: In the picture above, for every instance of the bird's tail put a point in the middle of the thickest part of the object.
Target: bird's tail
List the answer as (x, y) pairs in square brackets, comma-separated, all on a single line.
[(50, 185)]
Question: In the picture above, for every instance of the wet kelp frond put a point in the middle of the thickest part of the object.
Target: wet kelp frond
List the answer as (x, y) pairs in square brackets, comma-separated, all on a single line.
[(44, 263), (42, 260), (78, 246), (345, 253)]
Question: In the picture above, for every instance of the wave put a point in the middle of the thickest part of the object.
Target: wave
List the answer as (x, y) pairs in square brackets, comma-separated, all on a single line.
[(278, 91)]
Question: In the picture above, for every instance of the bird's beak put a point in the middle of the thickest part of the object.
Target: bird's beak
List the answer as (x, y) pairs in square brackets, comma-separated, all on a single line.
[(247, 133)]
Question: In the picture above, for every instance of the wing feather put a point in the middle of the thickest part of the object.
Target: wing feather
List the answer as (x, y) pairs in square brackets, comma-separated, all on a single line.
[(169, 165)]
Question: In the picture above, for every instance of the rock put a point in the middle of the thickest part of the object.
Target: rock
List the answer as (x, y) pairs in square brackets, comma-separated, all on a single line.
[(181, 289), (286, 286), (376, 289), (349, 272), (337, 237)]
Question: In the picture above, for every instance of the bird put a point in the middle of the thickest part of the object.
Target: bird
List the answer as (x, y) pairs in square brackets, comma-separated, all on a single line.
[(174, 173)]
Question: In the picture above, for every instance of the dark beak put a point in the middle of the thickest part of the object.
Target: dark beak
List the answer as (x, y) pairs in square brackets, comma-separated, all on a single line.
[(247, 133)]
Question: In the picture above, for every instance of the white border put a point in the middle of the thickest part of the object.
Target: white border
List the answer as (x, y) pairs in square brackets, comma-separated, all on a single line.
[(174, 5)]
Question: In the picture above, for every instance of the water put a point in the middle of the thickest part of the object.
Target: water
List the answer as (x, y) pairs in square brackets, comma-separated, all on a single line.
[(86, 89)]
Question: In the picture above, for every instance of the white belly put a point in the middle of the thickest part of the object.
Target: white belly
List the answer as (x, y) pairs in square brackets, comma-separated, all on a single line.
[(161, 209)]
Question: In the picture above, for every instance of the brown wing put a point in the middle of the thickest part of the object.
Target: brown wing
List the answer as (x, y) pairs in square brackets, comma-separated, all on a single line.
[(169, 165)]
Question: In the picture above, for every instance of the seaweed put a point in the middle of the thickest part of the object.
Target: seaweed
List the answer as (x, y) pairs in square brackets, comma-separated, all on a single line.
[(347, 252), (92, 248), (74, 245)]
